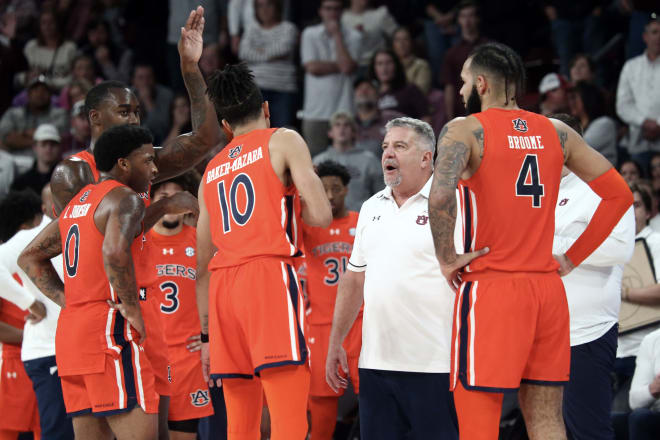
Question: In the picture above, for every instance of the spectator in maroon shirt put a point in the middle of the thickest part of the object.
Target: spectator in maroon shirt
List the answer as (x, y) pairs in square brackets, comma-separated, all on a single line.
[(468, 18), (394, 90)]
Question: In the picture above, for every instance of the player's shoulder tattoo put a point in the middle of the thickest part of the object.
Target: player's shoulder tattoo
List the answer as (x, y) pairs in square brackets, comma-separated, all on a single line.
[(453, 155), (563, 137), (479, 134)]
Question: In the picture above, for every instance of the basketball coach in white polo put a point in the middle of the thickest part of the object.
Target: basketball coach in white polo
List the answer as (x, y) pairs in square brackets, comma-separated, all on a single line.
[(406, 332)]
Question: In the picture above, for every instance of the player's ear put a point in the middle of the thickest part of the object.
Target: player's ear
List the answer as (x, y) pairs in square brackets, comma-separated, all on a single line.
[(124, 164), (226, 128), (482, 84), (266, 108), (94, 117)]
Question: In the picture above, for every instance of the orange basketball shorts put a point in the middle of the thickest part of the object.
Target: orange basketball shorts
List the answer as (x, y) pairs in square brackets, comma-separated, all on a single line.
[(126, 382), (155, 346), (18, 403), (508, 329), (256, 318), (318, 338), (190, 394)]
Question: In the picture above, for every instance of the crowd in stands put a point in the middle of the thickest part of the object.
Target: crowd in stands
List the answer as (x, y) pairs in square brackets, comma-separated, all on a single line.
[(336, 70)]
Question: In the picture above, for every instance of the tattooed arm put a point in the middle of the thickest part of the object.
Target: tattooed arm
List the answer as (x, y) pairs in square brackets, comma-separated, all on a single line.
[(68, 178), (454, 151), (187, 150), (122, 226), (35, 262)]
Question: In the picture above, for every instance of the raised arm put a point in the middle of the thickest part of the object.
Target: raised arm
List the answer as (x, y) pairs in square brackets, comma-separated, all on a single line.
[(68, 178), (292, 148), (592, 167), (123, 224), (187, 150), (454, 150), (35, 262)]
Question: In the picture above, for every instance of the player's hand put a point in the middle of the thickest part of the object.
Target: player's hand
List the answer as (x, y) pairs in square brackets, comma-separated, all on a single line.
[(452, 272), (206, 366), (133, 316), (565, 265), (191, 43), (336, 359), (37, 312), (194, 343), (654, 387), (182, 203)]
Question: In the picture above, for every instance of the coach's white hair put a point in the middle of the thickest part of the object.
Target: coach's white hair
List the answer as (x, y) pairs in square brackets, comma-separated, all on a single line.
[(421, 128)]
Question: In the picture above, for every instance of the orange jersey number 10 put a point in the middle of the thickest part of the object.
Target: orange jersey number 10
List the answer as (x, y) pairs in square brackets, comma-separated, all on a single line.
[(229, 205)]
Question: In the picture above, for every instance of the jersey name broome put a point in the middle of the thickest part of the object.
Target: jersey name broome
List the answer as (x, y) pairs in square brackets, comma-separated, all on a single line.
[(525, 143), (242, 161)]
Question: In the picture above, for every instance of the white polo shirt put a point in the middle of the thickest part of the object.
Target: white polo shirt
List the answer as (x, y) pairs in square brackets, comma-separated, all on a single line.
[(593, 289), (39, 338), (408, 305)]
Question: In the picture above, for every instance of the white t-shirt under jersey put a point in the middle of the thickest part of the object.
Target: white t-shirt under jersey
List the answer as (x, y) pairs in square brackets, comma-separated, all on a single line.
[(408, 305), (593, 289), (39, 338)]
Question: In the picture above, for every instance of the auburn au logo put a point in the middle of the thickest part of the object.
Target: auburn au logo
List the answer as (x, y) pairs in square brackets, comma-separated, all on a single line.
[(200, 398), (422, 219), (520, 125), (235, 151)]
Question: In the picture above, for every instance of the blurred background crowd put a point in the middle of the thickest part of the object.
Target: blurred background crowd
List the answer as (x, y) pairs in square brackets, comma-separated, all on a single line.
[(335, 70)]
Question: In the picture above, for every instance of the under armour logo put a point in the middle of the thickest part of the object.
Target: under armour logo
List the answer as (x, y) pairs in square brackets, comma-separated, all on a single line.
[(375, 217), (168, 251), (334, 231), (143, 293)]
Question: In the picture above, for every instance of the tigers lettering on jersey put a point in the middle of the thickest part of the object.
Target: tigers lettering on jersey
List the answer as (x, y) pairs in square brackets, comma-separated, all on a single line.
[(327, 253), (334, 247), (241, 162), (176, 270)]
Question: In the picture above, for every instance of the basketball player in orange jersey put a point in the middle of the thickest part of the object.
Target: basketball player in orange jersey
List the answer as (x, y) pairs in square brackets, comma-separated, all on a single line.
[(511, 323), (112, 103), (107, 381), (175, 261), (326, 252), (18, 402), (251, 199)]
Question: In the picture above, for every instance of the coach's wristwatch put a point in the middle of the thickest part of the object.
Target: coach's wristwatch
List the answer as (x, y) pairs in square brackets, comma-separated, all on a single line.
[(204, 337)]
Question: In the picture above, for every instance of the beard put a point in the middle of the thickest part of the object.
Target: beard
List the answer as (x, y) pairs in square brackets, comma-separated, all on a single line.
[(171, 225), (393, 181), (473, 104)]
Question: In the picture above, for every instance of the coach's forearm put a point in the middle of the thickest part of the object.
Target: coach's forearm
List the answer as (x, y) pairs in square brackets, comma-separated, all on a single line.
[(350, 296)]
